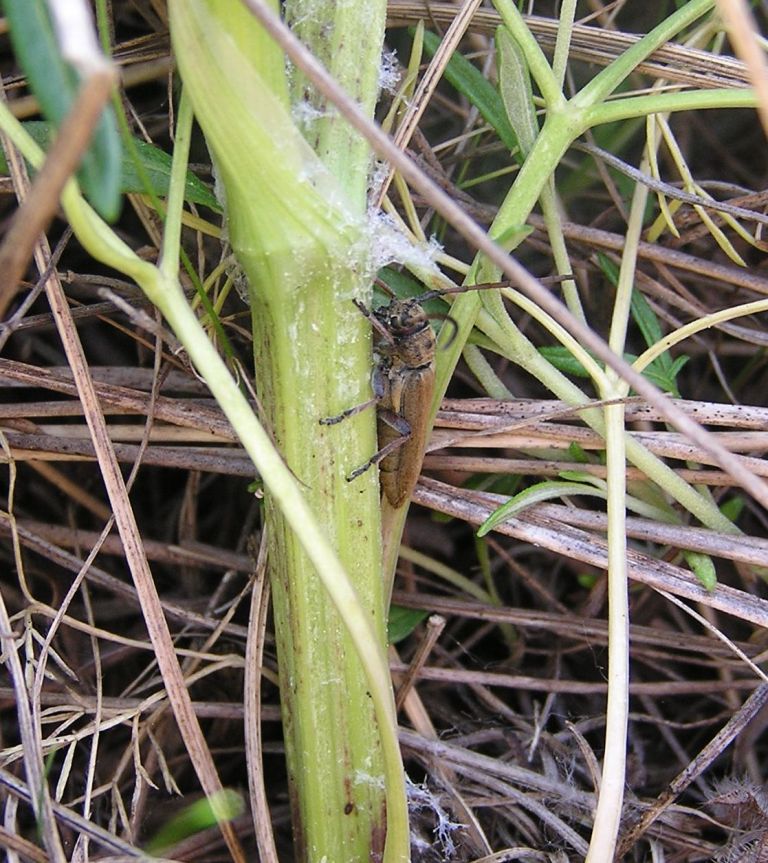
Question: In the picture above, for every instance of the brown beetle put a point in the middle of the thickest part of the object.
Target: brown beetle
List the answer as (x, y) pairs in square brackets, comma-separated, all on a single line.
[(403, 383), (403, 386)]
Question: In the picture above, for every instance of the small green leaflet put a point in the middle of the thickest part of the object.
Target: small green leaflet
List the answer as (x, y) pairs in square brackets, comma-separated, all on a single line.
[(470, 82), (516, 90), (223, 806), (155, 162), (402, 622), (534, 494)]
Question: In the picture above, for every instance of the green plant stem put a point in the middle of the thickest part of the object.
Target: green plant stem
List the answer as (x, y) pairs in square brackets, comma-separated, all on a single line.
[(633, 107), (484, 373), (169, 256), (611, 794), (566, 120), (331, 709), (606, 82), (563, 44), (295, 224), (550, 208), (347, 38), (334, 757), (609, 802), (514, 345)]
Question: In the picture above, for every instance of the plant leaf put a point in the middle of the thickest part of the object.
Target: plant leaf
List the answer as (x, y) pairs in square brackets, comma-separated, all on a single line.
[(534, 494), (647, 322), (402, 622), (470, 82), (516, 90), (156, 164), (223, 806), (703, 568), (55, 83)]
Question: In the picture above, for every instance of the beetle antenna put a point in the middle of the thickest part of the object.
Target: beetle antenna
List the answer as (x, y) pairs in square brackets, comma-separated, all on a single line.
[(380, 283), (449, 320), (483, 286), (375, 322), (461, 289)]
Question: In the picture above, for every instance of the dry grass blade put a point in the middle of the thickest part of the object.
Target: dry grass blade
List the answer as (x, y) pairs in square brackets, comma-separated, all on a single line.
[(676, 63), (129, 534), (105, 838), (459, 23), (588, 548), (254, 659), (727, 273), (748, 711)]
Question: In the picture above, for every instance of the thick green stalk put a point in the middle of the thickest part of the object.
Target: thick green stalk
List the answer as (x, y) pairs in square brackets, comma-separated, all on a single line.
[(347, 38), (330, 730), (296, 225)]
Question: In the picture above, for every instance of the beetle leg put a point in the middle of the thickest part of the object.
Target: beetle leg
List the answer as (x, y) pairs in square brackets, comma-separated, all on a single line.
[(349, 412), (380, 386), (400, 425)]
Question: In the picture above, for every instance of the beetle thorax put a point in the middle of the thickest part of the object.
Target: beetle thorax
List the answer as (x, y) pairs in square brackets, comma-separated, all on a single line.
[(412, 339)]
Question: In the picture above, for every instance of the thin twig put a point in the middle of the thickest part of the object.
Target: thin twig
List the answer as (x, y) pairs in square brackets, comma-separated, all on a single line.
[(751, 707), (254, 657)]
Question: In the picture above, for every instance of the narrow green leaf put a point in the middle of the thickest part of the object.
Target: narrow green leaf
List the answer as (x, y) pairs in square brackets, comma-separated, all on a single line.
[(663, 371), (677, 365), (732, 508), (156, 164), (195, 818), (663, 380), (402, 622), (401, 283), (641, 311), (55, 83), (516, 90), (563, 360), (534, 494), (581, 476), (703, 568), (470, 83), (646, 320), (608, 268), (587, 580), (577, 453)]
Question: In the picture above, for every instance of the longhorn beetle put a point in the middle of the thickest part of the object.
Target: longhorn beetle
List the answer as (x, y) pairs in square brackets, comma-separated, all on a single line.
[(403, 385)]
